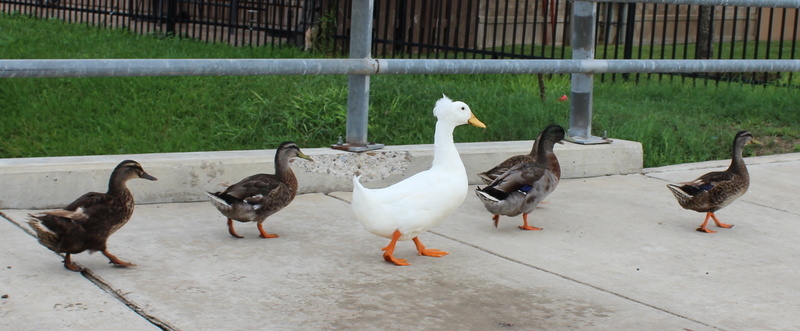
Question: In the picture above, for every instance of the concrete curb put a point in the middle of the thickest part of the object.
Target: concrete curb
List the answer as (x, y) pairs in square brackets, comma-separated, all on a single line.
[(53, 182)]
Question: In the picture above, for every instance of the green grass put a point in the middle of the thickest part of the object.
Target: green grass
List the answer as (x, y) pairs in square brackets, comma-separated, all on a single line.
[(676, 122)]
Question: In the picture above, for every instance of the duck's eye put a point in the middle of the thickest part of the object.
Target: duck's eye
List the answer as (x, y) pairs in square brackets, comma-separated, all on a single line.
[(462, 108)]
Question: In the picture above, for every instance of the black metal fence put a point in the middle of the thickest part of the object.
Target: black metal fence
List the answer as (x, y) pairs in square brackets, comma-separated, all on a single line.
[(526, 29)]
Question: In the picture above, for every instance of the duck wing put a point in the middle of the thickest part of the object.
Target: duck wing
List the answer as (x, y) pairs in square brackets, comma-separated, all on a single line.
[(252, 189), (705, 182), (521, 177), (490, 175), (91, 203)]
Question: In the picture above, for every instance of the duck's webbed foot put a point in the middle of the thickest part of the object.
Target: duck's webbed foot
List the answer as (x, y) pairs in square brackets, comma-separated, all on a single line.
[(388, 251), (526, 226), (115, 261), (71, 266), (231, 230), (427, 252), (703, 228), (720, 224), (264, 234)]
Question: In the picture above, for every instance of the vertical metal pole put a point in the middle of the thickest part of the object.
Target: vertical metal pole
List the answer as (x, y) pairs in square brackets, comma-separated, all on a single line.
[(630, 29), (584, 14), (358, 85)]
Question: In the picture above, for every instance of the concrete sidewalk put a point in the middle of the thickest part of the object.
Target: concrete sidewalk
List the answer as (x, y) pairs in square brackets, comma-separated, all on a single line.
[(617, 253)]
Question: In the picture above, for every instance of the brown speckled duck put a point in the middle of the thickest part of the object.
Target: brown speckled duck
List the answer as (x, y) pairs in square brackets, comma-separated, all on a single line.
[(525, 184), (715, 190), (255, 198), (86, 223)]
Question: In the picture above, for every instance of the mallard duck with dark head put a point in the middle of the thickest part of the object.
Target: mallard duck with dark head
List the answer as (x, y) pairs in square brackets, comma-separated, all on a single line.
[(715, 190), (86, 223), (255, 198), (524, 185)]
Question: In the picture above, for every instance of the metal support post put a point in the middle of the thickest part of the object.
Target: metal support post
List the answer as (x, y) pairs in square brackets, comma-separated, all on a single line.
[(358, 85), (584, 14)]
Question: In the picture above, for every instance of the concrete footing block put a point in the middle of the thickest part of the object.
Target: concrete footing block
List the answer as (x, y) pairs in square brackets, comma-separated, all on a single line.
[(52, 182)]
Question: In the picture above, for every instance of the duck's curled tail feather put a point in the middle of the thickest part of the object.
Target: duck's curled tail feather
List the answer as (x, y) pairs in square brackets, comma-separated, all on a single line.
[(219, 202)]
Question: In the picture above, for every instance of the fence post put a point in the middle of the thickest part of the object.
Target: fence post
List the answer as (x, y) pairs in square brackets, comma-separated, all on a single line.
[(172, 13), (630, 29), (584, 14), (358, 85)]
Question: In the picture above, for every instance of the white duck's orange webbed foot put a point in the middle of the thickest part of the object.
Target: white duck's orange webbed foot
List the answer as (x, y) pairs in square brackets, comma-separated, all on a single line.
[(390, 258), (264, 234), (115, 261), (427, 252), (388, 251), (231, 230), (526, 226)]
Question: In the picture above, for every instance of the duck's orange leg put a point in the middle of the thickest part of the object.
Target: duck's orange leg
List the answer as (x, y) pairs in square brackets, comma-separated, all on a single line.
[(388, 251), (496, 219), (114, 260), (526, 226), (702, 227), (264, 234), (720, 224), (231, 230), (69, 265), (427, 252)]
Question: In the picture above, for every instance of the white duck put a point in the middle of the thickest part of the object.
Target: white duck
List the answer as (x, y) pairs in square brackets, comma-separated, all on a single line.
[(407, 209)]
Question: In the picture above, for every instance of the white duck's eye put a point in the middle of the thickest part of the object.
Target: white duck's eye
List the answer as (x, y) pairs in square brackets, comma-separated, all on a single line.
[(462, 108)]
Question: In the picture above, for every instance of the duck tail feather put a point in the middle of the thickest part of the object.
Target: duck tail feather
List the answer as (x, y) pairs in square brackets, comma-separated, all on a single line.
[(218, 202), (492, 193)]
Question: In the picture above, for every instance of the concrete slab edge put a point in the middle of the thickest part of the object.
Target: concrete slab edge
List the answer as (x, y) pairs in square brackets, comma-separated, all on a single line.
[(777, 158), (51, 182)]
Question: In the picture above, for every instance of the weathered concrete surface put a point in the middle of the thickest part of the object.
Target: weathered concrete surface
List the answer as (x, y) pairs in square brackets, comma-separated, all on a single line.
[(36, 296), (617, 252), (184, 177)]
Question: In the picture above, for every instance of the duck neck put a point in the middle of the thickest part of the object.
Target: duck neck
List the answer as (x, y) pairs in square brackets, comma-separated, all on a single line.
[(118, 187), (444, 148), (543, 148), (284, 172), (737, 162)]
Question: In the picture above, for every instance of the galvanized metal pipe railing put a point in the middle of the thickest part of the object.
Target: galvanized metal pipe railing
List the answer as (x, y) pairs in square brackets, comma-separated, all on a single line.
[(358, 84), (584, 16), (261, 67)]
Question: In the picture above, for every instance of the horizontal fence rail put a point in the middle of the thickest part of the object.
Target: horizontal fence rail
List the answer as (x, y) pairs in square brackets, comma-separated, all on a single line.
[(738, 3), (251, 67), (468, 29)]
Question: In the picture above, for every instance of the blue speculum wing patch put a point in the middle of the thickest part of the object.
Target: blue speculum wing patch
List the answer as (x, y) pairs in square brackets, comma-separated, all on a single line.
[(706, 187)]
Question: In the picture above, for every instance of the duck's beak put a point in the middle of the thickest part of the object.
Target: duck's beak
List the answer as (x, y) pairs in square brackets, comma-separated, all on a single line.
[(303, 156), (754, 141), (147, 176), (476, 122)]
